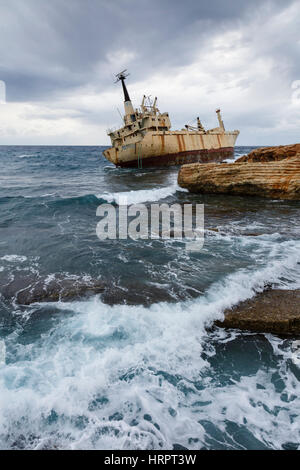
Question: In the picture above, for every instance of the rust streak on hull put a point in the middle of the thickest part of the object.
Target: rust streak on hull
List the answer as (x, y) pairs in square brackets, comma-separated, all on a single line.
[(162, 143), (183, 143), (202, 142), (179, 142)]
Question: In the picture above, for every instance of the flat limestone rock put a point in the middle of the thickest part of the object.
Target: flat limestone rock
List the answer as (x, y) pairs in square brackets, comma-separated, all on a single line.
[(272, 311), (275, 179), (271, 154)]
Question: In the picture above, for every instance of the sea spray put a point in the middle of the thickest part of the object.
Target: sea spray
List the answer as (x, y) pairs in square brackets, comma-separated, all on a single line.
[(137, 372)]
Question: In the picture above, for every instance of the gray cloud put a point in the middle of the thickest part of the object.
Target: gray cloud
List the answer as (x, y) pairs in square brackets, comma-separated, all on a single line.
[(50, 46), (48, 49)]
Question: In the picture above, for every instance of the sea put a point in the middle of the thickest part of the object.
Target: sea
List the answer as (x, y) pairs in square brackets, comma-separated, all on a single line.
[(142, 366)]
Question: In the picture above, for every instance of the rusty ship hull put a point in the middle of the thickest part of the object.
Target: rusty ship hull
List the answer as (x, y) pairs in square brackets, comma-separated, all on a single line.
[(146, 139), (178, 148)]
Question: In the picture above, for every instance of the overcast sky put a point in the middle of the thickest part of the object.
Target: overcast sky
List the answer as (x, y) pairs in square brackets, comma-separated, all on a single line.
[(58, 58)]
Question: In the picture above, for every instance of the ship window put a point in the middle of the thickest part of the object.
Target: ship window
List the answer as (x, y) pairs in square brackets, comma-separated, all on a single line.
[(133, 117)]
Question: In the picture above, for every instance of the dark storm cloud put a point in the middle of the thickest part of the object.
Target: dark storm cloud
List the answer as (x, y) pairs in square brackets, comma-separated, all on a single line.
[(48, 47)]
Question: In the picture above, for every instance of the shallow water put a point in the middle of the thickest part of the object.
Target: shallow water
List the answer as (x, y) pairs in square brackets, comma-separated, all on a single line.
[(140, 369)]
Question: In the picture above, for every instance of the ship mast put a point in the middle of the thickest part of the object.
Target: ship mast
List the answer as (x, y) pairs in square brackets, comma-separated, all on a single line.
[(129, 111)]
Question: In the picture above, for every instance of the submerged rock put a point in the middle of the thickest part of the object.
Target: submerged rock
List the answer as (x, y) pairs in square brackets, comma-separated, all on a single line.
[(58, 290), (27, 290), (276, 179), (272, 311)]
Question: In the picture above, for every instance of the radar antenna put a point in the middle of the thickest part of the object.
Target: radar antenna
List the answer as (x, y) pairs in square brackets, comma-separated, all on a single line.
[(121, 77)]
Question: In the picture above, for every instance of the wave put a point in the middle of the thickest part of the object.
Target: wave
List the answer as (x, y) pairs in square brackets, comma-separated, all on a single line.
[(131, 197), (64, 391), (87, 199), (27, 156), (53, 200), (234, 288), (140, 196)]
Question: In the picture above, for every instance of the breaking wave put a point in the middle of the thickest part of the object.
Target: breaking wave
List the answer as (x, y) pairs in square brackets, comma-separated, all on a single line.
[(144, 195), (129, 377)]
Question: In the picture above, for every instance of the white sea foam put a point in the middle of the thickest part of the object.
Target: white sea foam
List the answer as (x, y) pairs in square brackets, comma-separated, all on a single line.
[(236, 156), (116, 377), (140, 196), (14, 258), (26, 156)]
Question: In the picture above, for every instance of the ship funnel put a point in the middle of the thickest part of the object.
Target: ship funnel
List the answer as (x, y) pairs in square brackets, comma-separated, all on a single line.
[(221, 123)]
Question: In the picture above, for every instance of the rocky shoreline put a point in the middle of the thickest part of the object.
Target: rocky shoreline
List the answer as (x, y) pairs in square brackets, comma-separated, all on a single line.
[(271, 154), (274, 311), (271, 172), (271, 311)]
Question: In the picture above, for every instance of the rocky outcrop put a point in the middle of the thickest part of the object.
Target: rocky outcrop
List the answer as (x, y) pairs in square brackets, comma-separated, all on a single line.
[(58, 290), (271, 154), (29, 289), (273, 311), (275, 179)]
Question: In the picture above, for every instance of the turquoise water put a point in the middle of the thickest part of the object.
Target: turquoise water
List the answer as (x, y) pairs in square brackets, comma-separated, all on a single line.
[(139, 366)]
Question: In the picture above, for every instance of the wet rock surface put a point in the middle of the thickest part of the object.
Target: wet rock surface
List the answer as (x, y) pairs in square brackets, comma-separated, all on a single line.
[(28, 290), (275, 179), (271, 154), (272, 311), (58, 290)]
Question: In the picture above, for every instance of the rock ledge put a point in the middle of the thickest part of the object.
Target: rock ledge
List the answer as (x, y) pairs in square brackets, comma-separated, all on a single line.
[(272, 311), (249, 176)]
